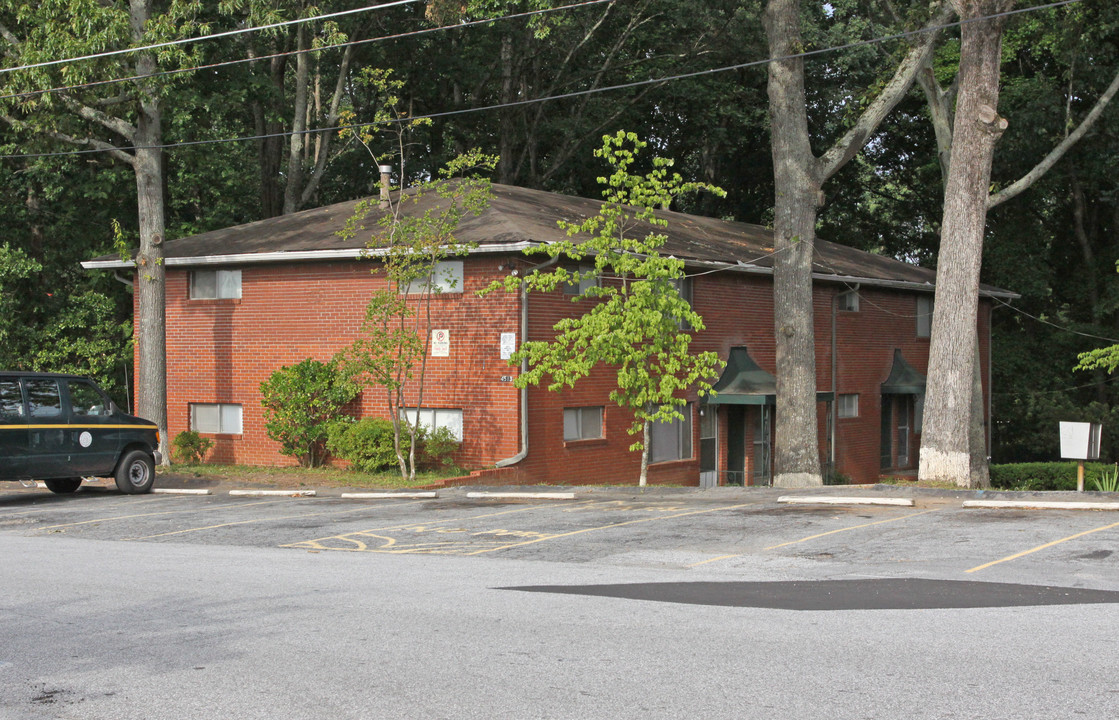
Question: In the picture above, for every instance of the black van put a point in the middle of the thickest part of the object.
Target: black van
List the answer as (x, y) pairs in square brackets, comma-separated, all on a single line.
[(61, 428)]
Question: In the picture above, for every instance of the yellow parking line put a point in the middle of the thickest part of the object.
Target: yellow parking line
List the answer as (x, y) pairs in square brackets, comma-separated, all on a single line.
[(811, 537), (255, 520), (853, 527), (714, 559), (1042, 547), (166, 512), (606, 527), (316, 543)]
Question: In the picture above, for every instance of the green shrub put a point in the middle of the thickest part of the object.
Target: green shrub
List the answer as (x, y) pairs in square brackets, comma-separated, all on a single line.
[(1043, 476), (436, 447), (366, 444), (300, 401), (189, 447)]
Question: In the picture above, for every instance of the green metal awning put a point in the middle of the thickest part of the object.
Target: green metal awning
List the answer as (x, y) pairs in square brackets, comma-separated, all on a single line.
[(743, 382), (903, 380)]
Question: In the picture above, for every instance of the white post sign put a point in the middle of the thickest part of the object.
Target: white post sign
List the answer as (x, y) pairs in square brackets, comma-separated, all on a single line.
[(440, 343), (508, 345)]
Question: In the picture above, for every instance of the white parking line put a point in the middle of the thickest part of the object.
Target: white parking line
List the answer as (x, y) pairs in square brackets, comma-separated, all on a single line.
[(388, 496), (829, 500), (532, 495), (267, 493), (181, 491), (1040, 505)]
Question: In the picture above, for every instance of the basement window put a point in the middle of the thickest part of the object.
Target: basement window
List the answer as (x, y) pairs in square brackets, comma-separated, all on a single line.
[(849, 406), (215, 418), (671, 440), (215, 284), (435, 418), (582, 423)]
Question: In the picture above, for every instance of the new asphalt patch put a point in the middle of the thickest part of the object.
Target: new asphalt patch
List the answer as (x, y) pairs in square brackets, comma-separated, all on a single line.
[(873, 594)]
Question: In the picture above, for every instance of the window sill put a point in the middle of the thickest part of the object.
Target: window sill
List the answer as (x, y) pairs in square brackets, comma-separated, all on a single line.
[(589, 442), (662, 463), (226, 301)]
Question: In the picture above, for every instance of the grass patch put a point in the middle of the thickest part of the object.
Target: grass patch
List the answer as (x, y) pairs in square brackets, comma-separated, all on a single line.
[(300, 476)]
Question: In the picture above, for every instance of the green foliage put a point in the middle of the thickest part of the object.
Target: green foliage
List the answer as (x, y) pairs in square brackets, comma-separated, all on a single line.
[(390, 351), (299, 403), (366, 444), (1043, 475), (436, 448), (189, 447), (637, 319), (1108, 480)]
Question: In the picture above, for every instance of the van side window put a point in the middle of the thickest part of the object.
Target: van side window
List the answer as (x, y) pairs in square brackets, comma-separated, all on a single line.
[(86, 401), (43, 399), (11, 403)]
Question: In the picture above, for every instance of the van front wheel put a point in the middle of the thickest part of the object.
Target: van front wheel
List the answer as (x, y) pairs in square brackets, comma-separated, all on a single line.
[(136, 473), (63, 486)]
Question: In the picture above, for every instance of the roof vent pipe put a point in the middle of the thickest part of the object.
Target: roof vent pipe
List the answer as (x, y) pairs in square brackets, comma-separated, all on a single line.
[(386, 173)]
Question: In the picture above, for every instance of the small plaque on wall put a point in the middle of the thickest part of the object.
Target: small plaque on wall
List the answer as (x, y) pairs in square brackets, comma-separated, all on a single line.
[(508, 345)]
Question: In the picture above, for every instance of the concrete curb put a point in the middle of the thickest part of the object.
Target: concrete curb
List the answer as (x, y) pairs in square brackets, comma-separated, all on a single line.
[(388, 496), (181, 491), (525, 495), (272, 493), (829, 500), (1039, 505)]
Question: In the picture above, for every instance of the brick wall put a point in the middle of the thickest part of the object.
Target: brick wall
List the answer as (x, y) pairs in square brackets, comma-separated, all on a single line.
[(219, 351)]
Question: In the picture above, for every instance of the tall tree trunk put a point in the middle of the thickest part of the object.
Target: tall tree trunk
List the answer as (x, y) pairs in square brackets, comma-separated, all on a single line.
[(796, 447), (507, 165), (151, 387), (945, 448), (294, 184)]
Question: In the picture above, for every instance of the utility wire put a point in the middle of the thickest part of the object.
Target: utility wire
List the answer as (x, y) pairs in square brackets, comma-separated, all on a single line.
[(289, 53), (186, 41), (1065, 329), (563, 96)]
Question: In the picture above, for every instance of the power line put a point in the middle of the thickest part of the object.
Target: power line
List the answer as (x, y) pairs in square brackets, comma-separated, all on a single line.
[(1064, 329), (241, 61), (562, 96), (186, 41)]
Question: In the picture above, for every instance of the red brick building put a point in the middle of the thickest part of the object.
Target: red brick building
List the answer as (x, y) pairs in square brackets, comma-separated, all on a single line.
[(244, 301)]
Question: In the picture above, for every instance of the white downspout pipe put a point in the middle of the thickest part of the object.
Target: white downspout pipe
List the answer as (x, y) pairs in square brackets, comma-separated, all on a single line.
[(506, 462)]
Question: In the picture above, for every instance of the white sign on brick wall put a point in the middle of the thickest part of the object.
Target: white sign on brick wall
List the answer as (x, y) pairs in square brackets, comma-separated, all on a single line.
[(440, 343), (508, 345)]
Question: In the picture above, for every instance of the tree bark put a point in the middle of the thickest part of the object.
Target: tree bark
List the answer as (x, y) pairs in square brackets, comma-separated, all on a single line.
[(796, 447), (151, 386), (945, 449), (294, 184)]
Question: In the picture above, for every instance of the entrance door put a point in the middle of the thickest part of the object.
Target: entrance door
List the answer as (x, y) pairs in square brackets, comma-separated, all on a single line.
[(736, 444), (904, 410), (708, 447), (763, 446)]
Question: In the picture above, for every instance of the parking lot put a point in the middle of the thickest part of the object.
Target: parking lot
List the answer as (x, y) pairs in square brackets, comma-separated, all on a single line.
[(613, 603), (722, 531)]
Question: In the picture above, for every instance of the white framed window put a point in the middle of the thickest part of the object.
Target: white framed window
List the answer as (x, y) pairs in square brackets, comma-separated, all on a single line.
[(215, 284), (849, 301), (849, 405), (435, 418), (445, 277), (924, 315), (671, 440), (216, 418), (586, 283), (582, 423)]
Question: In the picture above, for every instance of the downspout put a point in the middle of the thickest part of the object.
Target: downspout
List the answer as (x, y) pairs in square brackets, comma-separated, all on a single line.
[(834, 381), (990, 390), (524, 369)]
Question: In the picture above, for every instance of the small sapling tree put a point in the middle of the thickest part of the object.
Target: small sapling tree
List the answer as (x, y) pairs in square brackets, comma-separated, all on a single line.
[(638, 323), (411, 246)]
